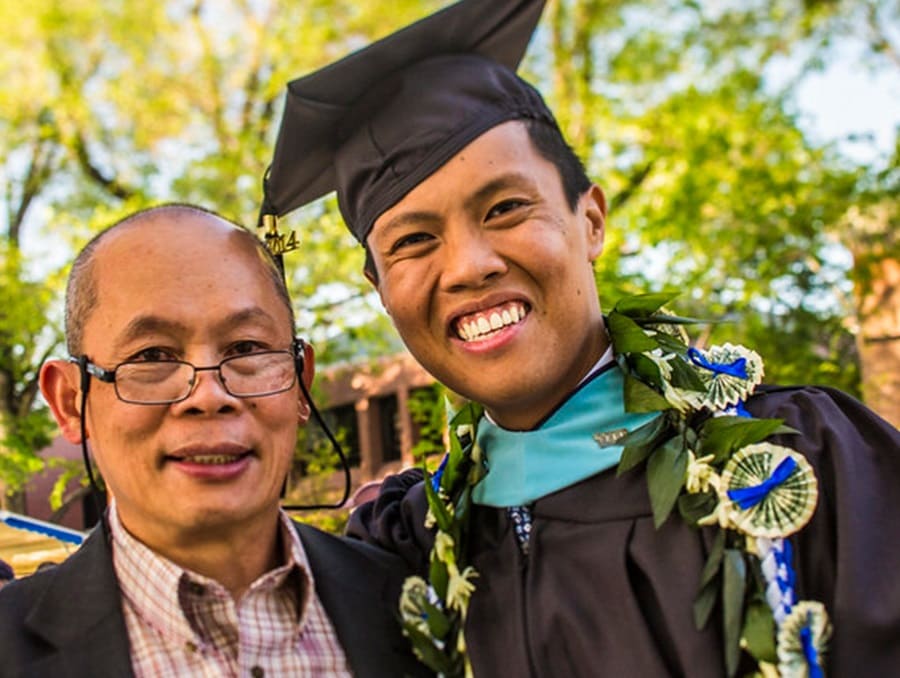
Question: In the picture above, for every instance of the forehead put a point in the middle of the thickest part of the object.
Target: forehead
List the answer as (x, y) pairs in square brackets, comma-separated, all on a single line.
[(192, 270), (503, 151)]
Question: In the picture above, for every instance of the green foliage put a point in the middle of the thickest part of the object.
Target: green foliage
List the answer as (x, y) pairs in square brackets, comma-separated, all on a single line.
[(331, 520), (428, 410)]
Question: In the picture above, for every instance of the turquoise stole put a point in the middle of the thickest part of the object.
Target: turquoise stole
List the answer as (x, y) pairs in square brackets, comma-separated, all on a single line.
[(524, 466)]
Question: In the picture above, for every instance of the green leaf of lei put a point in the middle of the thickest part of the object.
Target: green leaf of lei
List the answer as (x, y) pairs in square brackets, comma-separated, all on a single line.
[(641, 398), (709, 582), (641, 442), (627, 336), (759, 632), (644, 304), (721, 436), (666, 470), (734, 586)]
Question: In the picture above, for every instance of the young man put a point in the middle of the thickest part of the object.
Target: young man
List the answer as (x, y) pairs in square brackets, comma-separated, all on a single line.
[(481, 230), (184, 378)]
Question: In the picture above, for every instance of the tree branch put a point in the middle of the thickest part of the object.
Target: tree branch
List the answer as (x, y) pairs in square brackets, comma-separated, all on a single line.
[(111, 185), (634, 183)]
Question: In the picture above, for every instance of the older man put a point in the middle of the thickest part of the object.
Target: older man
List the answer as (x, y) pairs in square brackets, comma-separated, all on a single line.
[(481, 230), (184, 378)]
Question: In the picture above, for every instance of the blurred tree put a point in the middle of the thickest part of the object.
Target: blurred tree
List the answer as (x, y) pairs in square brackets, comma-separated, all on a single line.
[(111, 105), (716, 191)]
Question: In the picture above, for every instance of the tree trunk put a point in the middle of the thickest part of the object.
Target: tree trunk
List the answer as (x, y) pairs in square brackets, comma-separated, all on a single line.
[(878, 304)]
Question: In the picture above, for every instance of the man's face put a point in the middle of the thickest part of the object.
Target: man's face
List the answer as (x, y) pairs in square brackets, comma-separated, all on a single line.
[(487, 274), (187, 289)]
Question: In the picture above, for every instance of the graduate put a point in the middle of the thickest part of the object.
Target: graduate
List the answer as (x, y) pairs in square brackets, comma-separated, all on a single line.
[(614, 501)]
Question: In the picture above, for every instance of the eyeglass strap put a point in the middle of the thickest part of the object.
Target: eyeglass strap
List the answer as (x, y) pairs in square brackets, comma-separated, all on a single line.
[(299, 347), (82, 362)]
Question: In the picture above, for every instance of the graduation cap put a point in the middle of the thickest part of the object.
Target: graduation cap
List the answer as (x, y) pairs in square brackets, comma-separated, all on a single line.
[(375, 124)]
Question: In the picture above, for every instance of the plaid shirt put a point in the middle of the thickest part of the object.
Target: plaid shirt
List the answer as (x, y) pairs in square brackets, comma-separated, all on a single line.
[(180, 623)]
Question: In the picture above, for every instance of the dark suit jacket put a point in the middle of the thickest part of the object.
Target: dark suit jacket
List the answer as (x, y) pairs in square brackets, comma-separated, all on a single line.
[(67, 621)]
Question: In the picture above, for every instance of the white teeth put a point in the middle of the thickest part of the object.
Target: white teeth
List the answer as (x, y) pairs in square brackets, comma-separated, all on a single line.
[(478, 328)]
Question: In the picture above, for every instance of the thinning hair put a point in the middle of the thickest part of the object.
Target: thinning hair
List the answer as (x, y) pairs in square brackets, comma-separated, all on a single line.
[(81, 288)]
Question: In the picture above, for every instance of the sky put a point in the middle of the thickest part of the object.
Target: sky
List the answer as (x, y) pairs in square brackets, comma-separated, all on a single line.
[(848, 98)]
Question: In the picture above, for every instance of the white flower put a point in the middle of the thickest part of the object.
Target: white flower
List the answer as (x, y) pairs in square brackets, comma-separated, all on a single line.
[(412, 608), (460, 588), (720, 515), (682, 399), (661, 360), (443, 547), (700, 475)]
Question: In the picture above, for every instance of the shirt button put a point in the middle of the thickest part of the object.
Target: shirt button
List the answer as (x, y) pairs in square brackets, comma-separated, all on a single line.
[(257, 672), (190, 646)]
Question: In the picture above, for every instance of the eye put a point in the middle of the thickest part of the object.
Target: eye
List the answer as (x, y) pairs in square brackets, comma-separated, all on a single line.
[(410, 240), (505, 207), (153, 354), (246, 346)]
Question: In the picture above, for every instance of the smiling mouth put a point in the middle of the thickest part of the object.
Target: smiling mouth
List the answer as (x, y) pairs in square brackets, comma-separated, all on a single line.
[(483, 324)]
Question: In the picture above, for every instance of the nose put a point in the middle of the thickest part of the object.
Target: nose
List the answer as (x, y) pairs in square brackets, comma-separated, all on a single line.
[(208, 394), (470, 260)]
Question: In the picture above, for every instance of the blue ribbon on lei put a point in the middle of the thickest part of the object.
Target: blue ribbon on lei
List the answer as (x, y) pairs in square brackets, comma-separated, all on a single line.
[(436, 478), (809, 651), (738, 368), (751, 496)]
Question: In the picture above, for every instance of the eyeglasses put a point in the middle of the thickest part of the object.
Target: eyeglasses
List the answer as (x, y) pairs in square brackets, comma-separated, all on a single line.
[(162, 382)]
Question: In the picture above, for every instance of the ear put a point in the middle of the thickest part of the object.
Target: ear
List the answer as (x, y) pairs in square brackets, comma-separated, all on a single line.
[(60, 383), (309, 364), (593, 205)]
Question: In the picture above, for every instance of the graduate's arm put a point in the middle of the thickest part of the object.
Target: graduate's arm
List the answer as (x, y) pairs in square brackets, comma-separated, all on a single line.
[(848, 555), (395, 520)]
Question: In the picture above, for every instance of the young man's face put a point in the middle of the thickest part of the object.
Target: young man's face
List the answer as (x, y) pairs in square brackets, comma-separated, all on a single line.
[(187, 290), (487, 274)]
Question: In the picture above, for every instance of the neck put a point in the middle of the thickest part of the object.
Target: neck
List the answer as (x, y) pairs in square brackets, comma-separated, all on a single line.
[(234, 556), (532, 411)]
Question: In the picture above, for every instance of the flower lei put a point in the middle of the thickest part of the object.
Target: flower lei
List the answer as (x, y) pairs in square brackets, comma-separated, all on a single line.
[(705, 455)]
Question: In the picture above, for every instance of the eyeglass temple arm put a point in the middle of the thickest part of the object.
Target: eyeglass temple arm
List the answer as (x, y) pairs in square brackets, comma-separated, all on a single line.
[(84, 368)]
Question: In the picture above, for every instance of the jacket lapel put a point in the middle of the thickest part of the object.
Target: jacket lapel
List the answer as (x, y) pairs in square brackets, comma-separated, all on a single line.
[(79, 614), (359, 586)]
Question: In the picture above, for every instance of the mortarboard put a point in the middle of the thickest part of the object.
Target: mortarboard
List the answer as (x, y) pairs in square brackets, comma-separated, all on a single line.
[(375, 124)]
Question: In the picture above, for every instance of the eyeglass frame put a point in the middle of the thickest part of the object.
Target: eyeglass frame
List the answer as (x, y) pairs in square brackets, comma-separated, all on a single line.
[(89, 369)]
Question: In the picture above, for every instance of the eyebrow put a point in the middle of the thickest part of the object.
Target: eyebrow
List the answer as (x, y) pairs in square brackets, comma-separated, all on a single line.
[(504, 181), (150, 324)]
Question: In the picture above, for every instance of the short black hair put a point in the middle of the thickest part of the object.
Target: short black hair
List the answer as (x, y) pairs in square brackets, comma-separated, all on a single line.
[(550, 144)]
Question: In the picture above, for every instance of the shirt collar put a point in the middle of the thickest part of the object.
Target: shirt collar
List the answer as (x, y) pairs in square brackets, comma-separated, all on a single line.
[(164, 593)]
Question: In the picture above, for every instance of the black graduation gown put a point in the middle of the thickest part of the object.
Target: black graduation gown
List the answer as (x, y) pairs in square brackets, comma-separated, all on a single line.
[(603, 593)]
